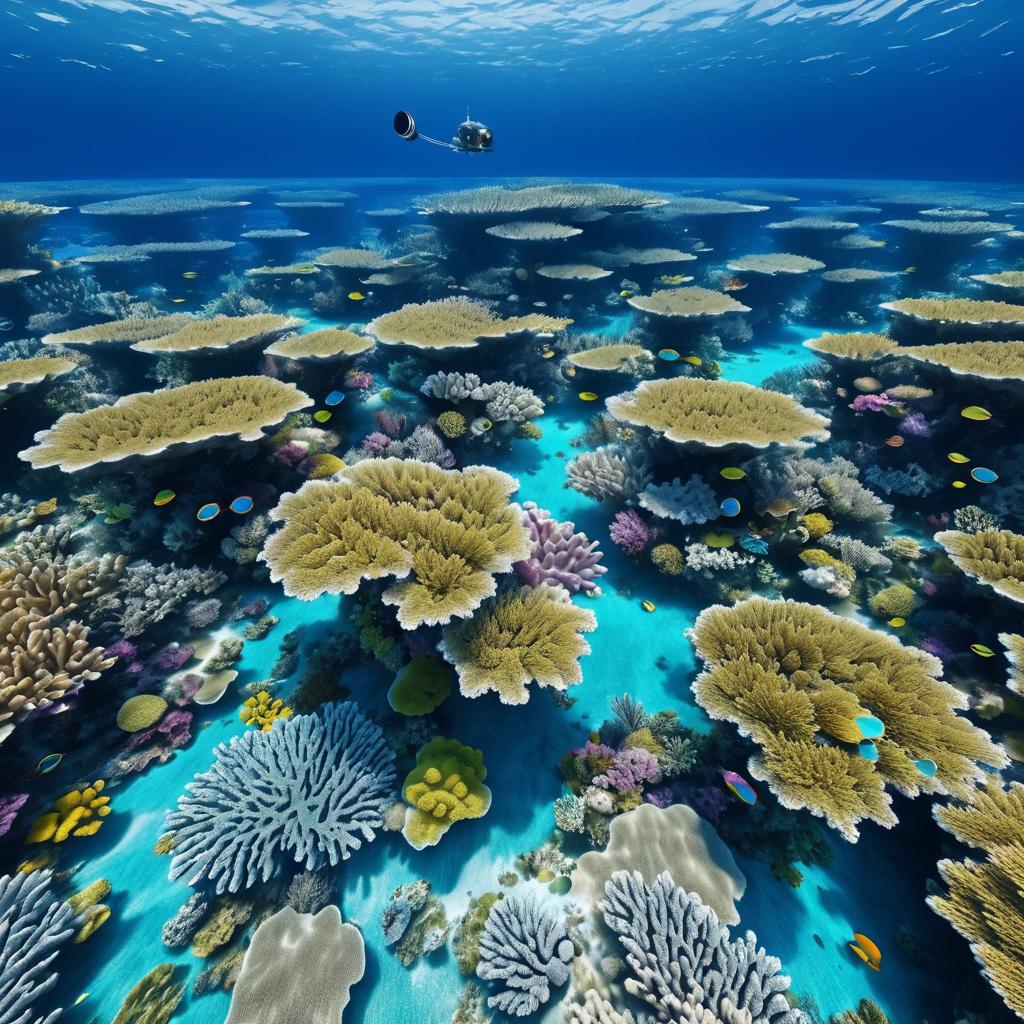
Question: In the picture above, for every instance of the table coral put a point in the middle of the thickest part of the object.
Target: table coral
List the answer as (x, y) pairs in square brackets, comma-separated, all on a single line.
[(79, 812), (687, 303), (446, 786), (995, 558)]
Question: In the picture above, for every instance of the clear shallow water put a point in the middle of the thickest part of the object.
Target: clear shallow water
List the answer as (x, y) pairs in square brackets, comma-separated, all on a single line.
[(877, 885)]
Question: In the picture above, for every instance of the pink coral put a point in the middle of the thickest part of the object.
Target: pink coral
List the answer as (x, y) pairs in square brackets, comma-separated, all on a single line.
[(632, 768), (559, 555), (631, 532)]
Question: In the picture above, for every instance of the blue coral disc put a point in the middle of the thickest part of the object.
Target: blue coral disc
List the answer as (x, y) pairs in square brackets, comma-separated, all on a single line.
[(983, 475), (241, 505), (927, 767), (334, 398), (208, 511), (730, 507)]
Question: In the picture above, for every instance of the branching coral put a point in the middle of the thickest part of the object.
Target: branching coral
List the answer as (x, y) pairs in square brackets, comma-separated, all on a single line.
[(684, 964), (16, 374), (861, 348), (519, 637), (455, 323), (985, 900), (612, 472), (691, 503), (148, 423), (687, 303), (558, 554), (445, 786), (526, 948), (994, 558), (221, 332), (329, 343), (788, 674), (989, 360), (311, 791), (716, 413), (262, 710)]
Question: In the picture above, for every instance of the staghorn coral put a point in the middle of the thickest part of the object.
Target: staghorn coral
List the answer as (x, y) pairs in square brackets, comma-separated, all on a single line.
[(443, 533), (995, 558), (153, 998), (495, 199), (521, 636), (612, 472), (445, 786), (773, 263), (18, 374), (716, 413), (221, 332), (687, 303), (559, 555), (985, 899), (309, 791), (690, 503), (533, 231), (682, 961), (526, 948), (325, 344), (987, 360), (298, 967), (595, 1010), (623, 358), (149, 423), (121, 331), (861, 557), (958, 311), (861, 348), (787, 673), (455, 323)]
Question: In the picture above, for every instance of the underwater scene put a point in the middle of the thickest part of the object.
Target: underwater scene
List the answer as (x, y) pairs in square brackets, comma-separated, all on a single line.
[(564, 565)]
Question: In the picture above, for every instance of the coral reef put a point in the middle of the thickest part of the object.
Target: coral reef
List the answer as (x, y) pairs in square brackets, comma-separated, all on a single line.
[(687, 303), (79, 812), (559, 555), (995, 558), (421, 686), (690, 503), (153, 998), (221, 332), (773, 263), (495, 199), (974, 312), (612, 472), (327, 344)]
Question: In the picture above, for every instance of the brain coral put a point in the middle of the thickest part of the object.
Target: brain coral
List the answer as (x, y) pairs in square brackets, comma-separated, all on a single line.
[(110, 332), (788, 674), (221, 332), (716, 413), (329, 343), (857, 347), (992, 557), (958, 311), (17, 374), (775, 263), (685, 303), (523, 636), (156, 421), (309, 792), (985, 899), (989, 360), (443, 533), (455, 323)]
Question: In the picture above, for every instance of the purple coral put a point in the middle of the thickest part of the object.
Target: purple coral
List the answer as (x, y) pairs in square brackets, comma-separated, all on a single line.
[(123, 650), (630, 532), (359, 381), (9, 807), (375, 445), (632, 768), (558, 554), (708, 801), (291, 453), (871, 403), (173, 730), (915, 425), (934, 646), (661, 797), (253, 610), (172, 657), (182, 689), (392, 424)]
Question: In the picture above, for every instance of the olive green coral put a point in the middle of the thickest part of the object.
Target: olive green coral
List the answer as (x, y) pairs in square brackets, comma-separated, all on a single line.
[(120, 332), (328, 343), (994, 558), (959, 311), (221, 332), (1014, 645), (989, 360), (522, 636), (446, 786), (420, 686), (16, 374), (668, 559), (610, 357), (896, 601), (985, 900), (154, 998), (451, 423), (455, 323), (716, 413), (442, 533), (855, 346), (155, 421), (141, 711), (793, 675), (687, 303)]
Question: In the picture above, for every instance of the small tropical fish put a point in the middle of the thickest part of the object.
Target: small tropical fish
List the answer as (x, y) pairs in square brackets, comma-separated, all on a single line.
[(356, 296), (208, 511), (648, 606), (693, 360), (957, 458), (895, 441), (755, 545), (732, 473), (570, 371), (897, 621), (321, 415), (179, 300), (739, 787), (164, 498), (625, 294), (6, 323), (910, 270), (959, 484), (867, 951), (547, 354), (870, 727), (669, 355), (868, 750), (730, 507), (242, 505), (982, 651), (927, 767), (983, 475), (588, 396), (734, 284), (335, 398), (190, 275), (48, 763), (976, 413), (81, 999)]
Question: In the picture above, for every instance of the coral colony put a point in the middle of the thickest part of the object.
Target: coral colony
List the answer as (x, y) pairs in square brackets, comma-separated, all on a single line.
[(511, 587)]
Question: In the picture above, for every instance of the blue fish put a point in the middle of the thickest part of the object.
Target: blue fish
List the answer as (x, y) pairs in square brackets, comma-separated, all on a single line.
[(241, 505), (334, 398)]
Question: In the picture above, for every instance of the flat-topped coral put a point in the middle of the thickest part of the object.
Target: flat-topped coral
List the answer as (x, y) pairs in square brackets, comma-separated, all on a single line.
[(442, 533), (283, 270), (704, 206), (789, 675), (573, 272), (298, 967), (685, 303), (221, 332), (949, 227), (533, 231), (775, 263), (994, 558), (1002, 279), (327, 343), (455, 323), (756, 195), (16, 374), (116, 332), (14, 211), (626, 256), (823, 224), (861, 348), (650, 840), (1014, 645), (954, 213), (8, 275), (308, 792), (160, 204), (988, 360), (958, 311), (523, 636), (352, 259), (273, 233), (856, 275), (151, 422), (612, 358), (144, 250), (445, 786), (495, 199), (716, 413), (985, 899), (682, 961)]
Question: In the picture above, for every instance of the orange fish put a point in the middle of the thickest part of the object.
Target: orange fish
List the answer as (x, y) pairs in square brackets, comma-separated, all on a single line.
[(895, 441), (734, 284)]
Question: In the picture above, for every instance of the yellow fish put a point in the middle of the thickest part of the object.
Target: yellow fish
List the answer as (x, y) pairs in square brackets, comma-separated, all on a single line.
[(958, 458), (959, 484), (648, 606), (81, 999), (356, 296), (625, 294), (190, 275), (896, 621), (693, 360), (179, 300), (547, 354), (910, 270), (588, 396), (976, 413)]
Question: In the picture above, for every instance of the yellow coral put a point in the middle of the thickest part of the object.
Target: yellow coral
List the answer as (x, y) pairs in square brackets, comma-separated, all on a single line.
[(668, 559), (451, 423), (609, 357), (329, 343), (16, 374), (816, 524), (76, 813), (818, 559), (993, 557), (860, 348), (446, 786), (959, 311), (687, 303), (119, 332), (221, 332), (140, 712), (988, 360), (263, 710)]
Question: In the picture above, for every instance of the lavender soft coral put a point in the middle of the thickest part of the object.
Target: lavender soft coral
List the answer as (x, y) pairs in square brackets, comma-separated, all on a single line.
[(559, 555)]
